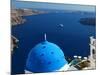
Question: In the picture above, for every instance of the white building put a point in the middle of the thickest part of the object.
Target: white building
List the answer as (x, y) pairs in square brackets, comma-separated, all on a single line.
[(87, 62), (92, 56)]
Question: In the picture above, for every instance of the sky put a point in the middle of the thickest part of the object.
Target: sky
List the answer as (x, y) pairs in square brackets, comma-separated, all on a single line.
[(57, 6), (85, 2)]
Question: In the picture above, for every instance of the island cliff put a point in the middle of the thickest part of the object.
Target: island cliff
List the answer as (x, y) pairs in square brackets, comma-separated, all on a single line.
[(16, 15), (88, 21)]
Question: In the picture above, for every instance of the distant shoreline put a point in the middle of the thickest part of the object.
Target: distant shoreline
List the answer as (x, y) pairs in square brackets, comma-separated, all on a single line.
[(16, 15), (91, 21)]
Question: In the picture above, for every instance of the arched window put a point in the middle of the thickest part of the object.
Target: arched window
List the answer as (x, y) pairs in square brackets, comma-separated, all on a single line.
[(93, 51)]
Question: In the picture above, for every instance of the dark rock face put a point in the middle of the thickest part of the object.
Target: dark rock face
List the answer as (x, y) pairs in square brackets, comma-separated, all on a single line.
[(15, 20), (14, 43), (88, 21)]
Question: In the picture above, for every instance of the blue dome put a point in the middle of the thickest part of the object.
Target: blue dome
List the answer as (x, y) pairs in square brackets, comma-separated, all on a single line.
[(45, 57)]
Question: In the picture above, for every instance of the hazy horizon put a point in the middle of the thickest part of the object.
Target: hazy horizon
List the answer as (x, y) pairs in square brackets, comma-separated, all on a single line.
[(56, 6)]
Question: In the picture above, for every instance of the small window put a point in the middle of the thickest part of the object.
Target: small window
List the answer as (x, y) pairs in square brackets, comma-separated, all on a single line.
[(43, 47), (93, 51), (52, 52)]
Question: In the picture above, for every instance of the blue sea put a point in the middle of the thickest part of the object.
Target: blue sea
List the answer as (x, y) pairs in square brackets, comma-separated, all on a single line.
[(72, 38)]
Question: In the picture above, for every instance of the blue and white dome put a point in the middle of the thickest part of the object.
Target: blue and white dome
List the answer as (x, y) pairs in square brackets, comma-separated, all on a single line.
[(45, 57)]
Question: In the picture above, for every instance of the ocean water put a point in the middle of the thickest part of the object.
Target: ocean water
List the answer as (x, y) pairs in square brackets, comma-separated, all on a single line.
[(72, 38)]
